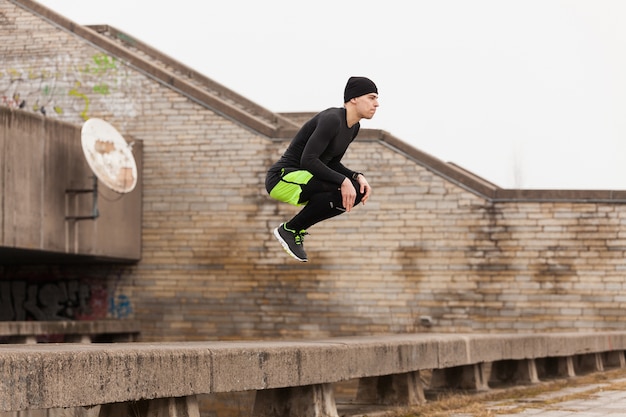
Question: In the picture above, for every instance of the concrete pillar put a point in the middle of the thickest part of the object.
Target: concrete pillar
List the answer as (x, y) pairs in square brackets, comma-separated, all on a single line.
[(468, 377), (399, 389), (522, 371), (305, 401), (527, 372), (599, 362), (476, 377), (591, 362), (446, 378), (615, 359), (367, 390), (566, 367), (159, 407)]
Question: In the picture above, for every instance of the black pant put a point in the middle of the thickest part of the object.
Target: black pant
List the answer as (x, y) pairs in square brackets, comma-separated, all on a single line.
[(324, 202)]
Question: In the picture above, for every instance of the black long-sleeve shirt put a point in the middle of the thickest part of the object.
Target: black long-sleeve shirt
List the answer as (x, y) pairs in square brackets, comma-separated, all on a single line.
[(318, 148)]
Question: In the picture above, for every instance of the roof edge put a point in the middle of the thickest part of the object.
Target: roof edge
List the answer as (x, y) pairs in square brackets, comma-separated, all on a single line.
[(220, 89), (164, 77)]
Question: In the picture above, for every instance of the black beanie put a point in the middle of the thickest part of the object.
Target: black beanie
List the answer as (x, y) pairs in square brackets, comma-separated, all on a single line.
[(357, 87)]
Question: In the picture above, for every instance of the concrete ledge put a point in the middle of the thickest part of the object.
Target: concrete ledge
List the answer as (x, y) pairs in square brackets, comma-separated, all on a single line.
[(72, 375)]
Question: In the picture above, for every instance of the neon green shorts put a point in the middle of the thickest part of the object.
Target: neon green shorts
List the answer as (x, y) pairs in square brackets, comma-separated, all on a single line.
[(289, 187)]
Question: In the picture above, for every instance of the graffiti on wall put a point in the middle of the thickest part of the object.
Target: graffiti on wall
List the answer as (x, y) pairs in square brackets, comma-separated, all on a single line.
[(63, 86), (22, 300), (120, 307)]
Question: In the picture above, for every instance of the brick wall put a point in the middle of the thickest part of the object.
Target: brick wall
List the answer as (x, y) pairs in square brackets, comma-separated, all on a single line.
[(422, 246)]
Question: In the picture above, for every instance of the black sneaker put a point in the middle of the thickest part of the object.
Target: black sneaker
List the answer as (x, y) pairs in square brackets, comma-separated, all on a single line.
[(292, 241)]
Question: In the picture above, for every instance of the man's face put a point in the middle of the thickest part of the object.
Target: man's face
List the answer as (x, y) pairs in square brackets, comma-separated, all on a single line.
[(366, 105)]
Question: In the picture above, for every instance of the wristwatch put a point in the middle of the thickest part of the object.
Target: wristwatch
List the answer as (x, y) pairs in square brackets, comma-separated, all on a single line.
[(356, 175)]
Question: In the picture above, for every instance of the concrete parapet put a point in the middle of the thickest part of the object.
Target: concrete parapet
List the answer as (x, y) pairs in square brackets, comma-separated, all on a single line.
[(299, 373), (568, 344)]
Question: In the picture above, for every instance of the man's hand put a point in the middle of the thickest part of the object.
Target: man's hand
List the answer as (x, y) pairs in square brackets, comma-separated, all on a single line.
[(365, 188), (348, 194)]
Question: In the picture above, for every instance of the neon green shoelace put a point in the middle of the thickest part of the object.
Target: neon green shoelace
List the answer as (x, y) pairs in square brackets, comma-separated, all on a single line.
[(300, 237)]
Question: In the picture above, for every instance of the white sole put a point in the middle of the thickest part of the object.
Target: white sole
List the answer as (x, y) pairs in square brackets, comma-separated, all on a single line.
[(286, 246)]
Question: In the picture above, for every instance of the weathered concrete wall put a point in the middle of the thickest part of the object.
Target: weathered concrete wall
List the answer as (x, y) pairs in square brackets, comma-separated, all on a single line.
[(424, 245), (43, 168)]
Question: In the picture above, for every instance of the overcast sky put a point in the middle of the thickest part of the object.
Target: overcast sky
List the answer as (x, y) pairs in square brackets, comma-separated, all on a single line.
[(525, 93)]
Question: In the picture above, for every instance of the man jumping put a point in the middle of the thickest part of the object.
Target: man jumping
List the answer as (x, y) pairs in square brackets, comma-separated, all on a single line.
[(310, 172)]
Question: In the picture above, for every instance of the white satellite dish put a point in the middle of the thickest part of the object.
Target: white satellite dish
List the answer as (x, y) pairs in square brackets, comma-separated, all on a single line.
[(109, 156)]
